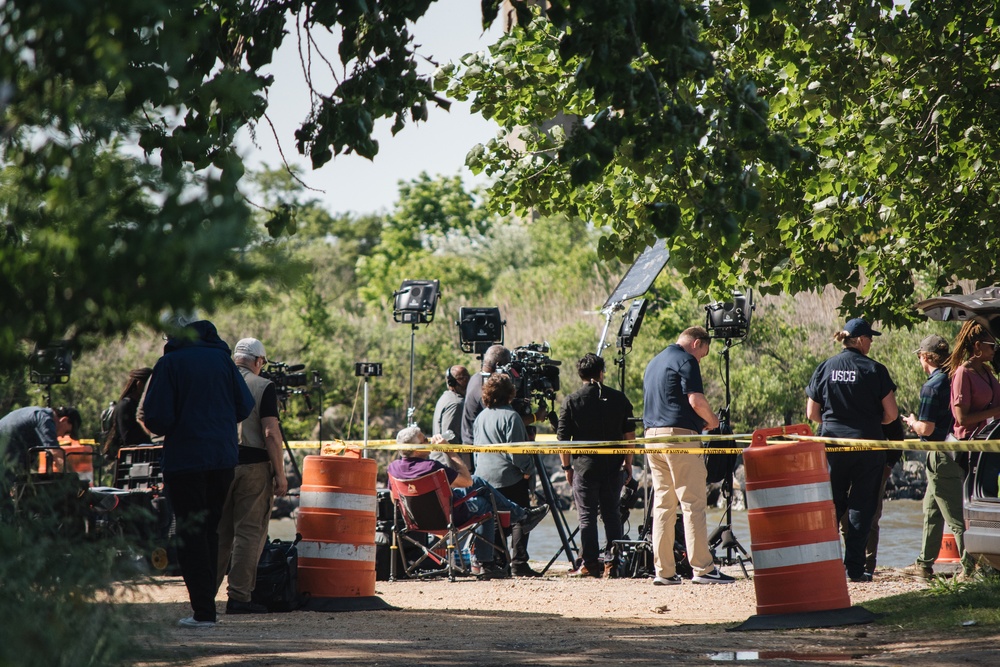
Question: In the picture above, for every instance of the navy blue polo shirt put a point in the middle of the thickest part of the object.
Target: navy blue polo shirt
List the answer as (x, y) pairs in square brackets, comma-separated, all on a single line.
[(935, 405), (849, 388), (670, 377)]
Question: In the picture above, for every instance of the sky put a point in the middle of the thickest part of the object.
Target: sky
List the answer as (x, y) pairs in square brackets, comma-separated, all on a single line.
[(350, 183)]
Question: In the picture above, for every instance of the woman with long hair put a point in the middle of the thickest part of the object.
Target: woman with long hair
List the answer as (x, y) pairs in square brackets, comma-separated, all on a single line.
[(126, 431), (975, 391), (852, 396)]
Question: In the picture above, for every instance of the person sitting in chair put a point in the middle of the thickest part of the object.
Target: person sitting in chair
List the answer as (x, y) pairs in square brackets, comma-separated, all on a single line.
[(418, 463)]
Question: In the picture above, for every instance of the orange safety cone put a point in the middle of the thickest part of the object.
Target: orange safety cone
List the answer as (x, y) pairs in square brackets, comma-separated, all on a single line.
[(799, 576), (949, 549)]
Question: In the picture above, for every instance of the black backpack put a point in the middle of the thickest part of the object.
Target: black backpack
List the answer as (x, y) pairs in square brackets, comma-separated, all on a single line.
[(277, 576)]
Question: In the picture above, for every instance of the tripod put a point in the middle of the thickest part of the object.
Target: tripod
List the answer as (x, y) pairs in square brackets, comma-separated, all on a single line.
[(723, 537), (562, 526)]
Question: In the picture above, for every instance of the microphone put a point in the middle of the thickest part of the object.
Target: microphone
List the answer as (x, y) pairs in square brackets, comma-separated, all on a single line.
[(295, 368)]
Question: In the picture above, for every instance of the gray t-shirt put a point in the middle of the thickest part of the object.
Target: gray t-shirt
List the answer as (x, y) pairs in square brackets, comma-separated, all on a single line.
[(496, 426)]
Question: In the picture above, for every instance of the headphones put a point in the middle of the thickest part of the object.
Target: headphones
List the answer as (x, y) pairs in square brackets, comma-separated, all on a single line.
[(449, 378)]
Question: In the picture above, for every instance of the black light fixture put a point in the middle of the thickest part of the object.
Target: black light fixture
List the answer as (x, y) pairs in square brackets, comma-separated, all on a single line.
[(631, 322), (51, 365), (415, 301), (479, 328), (730, 319)]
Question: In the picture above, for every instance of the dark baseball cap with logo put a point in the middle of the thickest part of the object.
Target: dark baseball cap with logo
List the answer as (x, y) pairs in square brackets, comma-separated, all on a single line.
[(859, 327)]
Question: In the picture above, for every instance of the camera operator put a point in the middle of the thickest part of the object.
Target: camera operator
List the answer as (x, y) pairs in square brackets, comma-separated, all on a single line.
[(448, 412), (495, 357), (596, 412), (675, 404), (259, 476)]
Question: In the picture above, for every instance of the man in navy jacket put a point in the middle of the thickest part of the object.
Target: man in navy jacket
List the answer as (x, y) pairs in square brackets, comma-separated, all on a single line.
[(196, 398)]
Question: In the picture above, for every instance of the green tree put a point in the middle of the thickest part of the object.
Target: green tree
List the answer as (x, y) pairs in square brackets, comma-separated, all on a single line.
[(898, 103), (97, 237), (429, 212), (788, 145)]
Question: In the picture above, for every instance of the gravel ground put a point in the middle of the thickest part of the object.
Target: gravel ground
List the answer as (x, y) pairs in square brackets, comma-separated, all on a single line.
[(554, 620)]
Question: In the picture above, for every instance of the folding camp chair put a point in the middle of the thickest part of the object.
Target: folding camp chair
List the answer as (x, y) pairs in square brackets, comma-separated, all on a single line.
[(426, 505)]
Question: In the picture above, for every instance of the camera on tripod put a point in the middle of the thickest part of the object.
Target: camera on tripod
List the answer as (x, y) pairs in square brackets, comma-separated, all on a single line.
[(535, 375)]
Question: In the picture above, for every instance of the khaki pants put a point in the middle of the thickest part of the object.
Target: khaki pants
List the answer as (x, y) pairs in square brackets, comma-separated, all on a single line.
[(243, 527), (679, 478)]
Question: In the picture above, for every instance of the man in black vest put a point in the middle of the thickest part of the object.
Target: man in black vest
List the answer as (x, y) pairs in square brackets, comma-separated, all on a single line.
[(259, 476)]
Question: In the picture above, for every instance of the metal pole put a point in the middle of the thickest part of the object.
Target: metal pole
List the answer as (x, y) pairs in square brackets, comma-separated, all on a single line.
[(411, 409), (608, 313), (366, 453)]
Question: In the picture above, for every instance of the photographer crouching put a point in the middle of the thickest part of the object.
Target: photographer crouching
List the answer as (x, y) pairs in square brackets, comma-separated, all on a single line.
[(596, 412)]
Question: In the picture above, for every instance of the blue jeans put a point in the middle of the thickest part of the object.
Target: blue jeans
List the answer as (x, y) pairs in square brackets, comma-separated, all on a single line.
[(480, 504)]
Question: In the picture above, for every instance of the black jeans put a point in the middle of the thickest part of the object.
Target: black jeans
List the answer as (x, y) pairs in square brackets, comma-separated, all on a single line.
[(197, 497), (856, 478), (519, 494), (597, 492)]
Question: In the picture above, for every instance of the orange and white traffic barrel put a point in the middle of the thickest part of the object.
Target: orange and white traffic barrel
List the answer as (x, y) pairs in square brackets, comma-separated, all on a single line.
[(336, 518), (798, 563)]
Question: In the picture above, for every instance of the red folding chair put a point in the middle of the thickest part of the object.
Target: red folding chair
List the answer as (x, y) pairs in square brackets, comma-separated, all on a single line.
[(426, 505)]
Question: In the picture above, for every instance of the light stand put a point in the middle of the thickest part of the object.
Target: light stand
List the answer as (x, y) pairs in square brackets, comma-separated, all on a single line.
[(317, 384), (609, 312), (413, 303), (411, 409), (728, 320), (723, 537), (366, 369)]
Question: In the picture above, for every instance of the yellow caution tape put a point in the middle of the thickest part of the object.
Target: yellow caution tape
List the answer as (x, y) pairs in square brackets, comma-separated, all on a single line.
[(862, 445), (641, 445), (553, 446)]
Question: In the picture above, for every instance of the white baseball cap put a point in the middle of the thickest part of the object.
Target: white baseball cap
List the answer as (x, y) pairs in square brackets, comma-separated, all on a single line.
[(250, 347)]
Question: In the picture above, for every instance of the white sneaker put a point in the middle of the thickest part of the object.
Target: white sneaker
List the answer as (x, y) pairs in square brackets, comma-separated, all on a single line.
[(667, 581), (713, 577), (189, 622)]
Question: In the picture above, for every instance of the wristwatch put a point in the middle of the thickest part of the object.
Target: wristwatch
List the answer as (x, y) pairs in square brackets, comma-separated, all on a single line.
[(567, 468)]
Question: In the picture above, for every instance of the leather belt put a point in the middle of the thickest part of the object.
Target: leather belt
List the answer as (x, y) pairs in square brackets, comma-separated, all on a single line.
[(669, 430)]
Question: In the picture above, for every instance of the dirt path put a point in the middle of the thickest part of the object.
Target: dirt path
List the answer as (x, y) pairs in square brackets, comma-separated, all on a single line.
[(550, 621)]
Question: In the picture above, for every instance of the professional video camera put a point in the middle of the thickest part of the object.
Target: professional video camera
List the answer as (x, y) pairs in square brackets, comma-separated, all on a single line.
[(535, 375), (286, 377)]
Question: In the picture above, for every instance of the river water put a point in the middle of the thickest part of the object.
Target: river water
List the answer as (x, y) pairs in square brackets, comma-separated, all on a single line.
[(899, 539), (899, 534)]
